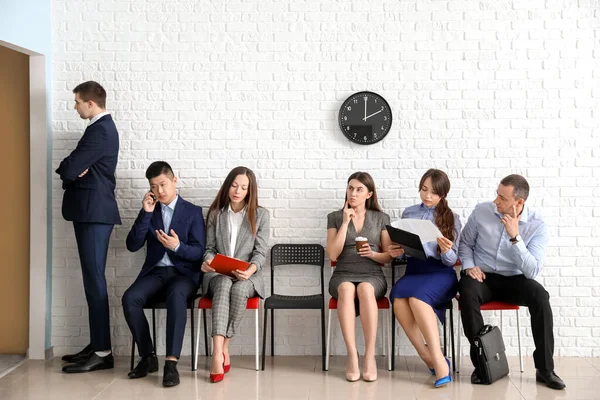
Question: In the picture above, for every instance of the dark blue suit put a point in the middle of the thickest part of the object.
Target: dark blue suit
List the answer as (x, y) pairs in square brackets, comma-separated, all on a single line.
[(90, 203), (175, 284)]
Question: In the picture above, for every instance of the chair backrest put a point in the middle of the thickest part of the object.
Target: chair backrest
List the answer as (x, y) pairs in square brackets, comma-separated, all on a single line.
[(297, 254), (397, 262)]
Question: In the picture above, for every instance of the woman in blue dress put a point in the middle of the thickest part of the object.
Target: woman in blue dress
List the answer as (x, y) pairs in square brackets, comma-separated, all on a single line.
[(428, 285)]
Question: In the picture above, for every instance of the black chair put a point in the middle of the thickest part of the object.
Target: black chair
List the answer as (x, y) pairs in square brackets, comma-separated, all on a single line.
[(158, 303), (398, 263), (294, 254)]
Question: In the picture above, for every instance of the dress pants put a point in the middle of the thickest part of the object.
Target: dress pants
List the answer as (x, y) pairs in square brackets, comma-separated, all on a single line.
[(160, 284), (515, 290), (92, 245), (229, 299)]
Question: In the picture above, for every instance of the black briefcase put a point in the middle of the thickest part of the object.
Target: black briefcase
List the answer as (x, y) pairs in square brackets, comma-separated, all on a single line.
[(491, 354)]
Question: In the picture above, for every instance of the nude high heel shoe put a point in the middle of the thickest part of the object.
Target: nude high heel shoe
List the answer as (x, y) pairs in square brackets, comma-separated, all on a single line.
[(353, 377), (370, 377)]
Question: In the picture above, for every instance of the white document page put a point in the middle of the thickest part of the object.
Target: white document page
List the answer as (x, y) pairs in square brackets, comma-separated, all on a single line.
[(424, 228)]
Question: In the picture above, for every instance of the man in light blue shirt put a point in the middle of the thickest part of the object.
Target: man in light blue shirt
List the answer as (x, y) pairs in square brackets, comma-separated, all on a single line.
[(502, 251)]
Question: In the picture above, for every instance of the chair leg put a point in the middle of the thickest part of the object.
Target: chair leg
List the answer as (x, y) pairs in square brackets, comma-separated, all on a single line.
[(194, 349), (205, 333), (272, 332), (445, 339), (264, 338), (452, 339), (197, 341), (323, 337), (383, 341), (132, 352), (389, 341), (519, 341), (393, 345), (154, 329), (459, 350), (256, 345), (328, 346)]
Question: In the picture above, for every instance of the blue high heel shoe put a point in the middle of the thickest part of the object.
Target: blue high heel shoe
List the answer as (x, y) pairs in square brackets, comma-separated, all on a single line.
[(445, 380), (433, 370)]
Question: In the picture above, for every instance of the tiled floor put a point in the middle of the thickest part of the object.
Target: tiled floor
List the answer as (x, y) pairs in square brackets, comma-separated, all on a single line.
[(8, 362), (294, 378)]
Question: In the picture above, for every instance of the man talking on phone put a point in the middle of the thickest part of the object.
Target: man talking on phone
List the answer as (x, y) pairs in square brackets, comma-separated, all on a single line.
[(502, 251), (88, 179), (173, 231)]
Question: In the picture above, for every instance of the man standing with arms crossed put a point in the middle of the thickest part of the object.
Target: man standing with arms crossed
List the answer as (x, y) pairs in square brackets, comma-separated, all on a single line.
[(88, 176)]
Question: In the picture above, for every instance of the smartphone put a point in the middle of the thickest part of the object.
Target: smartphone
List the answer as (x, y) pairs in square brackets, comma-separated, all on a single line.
[(153, 197)]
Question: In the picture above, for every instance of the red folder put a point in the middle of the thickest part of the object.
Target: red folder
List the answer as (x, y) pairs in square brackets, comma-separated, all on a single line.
[(226, 265)]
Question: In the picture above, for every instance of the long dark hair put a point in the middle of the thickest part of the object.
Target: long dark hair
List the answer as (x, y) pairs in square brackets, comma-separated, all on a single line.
[(367, 180), (222, 200), (444, 217)]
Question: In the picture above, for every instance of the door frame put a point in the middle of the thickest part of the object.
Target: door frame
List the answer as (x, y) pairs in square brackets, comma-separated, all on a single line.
[(40, 193)]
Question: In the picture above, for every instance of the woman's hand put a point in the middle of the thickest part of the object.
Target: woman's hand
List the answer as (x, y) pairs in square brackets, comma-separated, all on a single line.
[(245, 275), (445, 244), (366, 251), (206, 266), (395, 250), (348, 214)]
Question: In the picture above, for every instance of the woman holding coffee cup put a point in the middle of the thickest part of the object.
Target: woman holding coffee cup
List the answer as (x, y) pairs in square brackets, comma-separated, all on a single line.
[(353, 236), (428, 285)]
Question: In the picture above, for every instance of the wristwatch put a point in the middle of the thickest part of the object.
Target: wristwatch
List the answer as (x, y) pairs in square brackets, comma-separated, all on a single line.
[(516, 239)]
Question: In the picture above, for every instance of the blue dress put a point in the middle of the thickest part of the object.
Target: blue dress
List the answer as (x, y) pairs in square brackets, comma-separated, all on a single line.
[(432, 281)]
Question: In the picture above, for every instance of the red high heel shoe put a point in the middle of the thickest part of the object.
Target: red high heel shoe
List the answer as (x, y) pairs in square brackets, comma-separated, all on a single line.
[(226, 368), (214, 378)]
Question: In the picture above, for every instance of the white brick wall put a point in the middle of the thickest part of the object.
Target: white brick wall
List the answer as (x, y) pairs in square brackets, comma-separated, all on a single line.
[(480, 89)]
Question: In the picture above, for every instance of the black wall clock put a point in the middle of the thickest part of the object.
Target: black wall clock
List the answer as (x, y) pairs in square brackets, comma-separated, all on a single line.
[(365, 118)]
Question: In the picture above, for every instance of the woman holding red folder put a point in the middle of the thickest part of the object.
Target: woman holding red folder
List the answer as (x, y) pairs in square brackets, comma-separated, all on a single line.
[(236, 227), (428, 285)]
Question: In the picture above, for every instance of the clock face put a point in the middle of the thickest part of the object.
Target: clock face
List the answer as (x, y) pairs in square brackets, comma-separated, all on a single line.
[(365, 118)]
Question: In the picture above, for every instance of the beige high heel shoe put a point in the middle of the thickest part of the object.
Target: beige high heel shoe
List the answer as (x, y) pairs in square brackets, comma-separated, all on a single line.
[(353, 377), (370, 377)]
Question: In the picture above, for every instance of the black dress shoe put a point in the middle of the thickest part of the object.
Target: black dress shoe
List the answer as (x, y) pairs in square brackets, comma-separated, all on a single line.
[(81, 356), (171, 375), (550, 379), (475, 378), (93, 363), (147, 364)]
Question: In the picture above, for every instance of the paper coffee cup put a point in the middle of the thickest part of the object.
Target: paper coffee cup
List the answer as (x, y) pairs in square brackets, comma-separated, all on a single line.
[(359, 241)]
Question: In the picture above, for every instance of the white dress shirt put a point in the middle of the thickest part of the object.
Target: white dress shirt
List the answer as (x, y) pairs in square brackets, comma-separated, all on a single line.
[(235, 222), (97, 117)]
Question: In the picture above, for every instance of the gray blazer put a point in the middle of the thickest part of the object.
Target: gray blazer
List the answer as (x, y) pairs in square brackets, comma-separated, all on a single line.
[(247, 248)]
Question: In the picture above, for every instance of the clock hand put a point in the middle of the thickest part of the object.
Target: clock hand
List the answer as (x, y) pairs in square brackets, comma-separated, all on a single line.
[(365, 118)]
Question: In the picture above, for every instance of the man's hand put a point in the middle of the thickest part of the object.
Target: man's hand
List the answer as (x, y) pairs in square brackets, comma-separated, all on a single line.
[(445, 244), (206, 266), (81, 175), (395, 250), (476, 273), (511, 222), (149, 202), (170, 242)]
